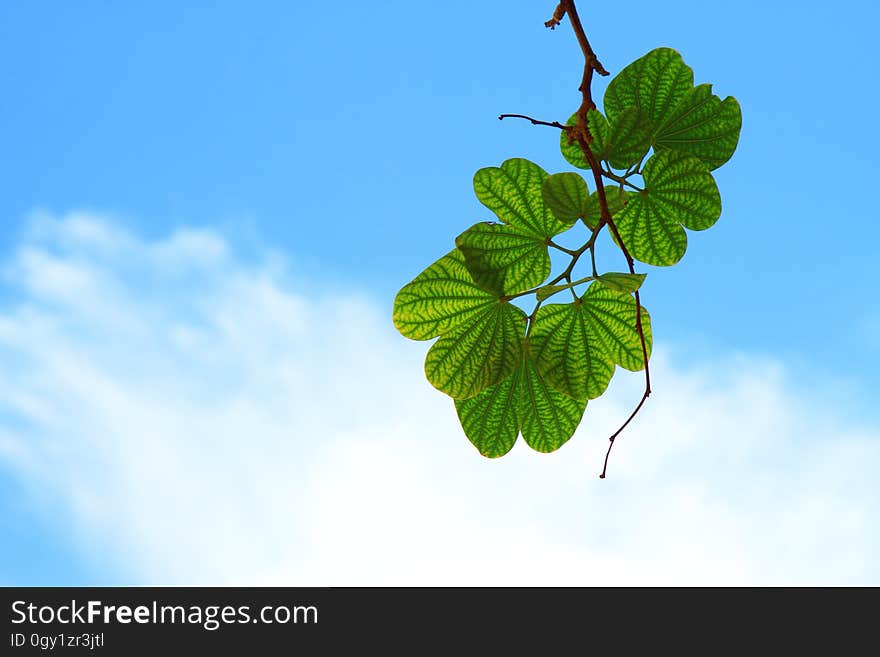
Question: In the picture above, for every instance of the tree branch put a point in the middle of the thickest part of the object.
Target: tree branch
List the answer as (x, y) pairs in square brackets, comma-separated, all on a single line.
[(581, 133)]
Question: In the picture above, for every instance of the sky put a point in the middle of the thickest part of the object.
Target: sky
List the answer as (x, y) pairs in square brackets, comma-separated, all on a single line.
[(208, 209)]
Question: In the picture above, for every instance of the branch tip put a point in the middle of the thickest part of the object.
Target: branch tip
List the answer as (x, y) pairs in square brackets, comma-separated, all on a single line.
[(558, 15), (552, 124)]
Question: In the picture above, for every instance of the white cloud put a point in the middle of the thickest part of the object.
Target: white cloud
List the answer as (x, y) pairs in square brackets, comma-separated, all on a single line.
[(206, 420)]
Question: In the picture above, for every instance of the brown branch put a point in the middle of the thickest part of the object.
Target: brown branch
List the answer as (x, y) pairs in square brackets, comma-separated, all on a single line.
[(589, 55), (645, 394), (552, 124), (581, 133), (556, 19)]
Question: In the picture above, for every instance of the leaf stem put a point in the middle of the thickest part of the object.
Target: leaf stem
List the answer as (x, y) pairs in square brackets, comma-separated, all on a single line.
[(621, 179), (575, 256), (581, 281), (532, 317), (560, 248)]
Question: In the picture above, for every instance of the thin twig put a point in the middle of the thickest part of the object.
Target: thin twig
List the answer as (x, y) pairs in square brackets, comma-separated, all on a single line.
[(552, 124), (557, 17), (620, 179)]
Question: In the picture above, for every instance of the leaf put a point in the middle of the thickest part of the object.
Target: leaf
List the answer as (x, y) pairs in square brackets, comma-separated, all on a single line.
[(478, 353), (503, 259), (612, 317), (682, 117), (548, 418), (620, 282), (491, 419), (601, 132), (703, 125), (548, 291), (679, 191), (513, 192), (616, 199), (523, 402), (568, 352), (629, 138), (655, 83), (441, 297), (566, 195)]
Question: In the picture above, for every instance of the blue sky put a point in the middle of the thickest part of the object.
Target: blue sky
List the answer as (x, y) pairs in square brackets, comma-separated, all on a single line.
[(331, 153)]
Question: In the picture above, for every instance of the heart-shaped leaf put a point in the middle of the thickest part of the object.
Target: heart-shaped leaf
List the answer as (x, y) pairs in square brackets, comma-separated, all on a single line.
[(679, 191)]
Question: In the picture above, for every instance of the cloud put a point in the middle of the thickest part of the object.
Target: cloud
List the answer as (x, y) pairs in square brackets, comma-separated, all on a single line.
[(204, 418)]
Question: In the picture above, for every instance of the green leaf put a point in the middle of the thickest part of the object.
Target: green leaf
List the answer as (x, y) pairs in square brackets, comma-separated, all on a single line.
[(612, 317), (569, 352), (478, 353), (548, 291), (441, 297), (572, 151), (566, 195), (521, 402), (679, 191), (503, 259), (491, 419), (548, 418), (681, 117), (655, 83), (602, 134), (620, 282), (616, 199), (629, 138), (703, 125), (513, 192)]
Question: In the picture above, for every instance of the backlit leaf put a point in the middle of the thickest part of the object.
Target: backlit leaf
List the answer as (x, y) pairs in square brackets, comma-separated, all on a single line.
[(679, 191), (477, 353), (513, 192), (601, 133), (568, 352), (548, 418), (566, 195), (441, 297), (629, 138), (681, 117), (702, 125), (491, 419), (655, 83), (503, 259), (521, 402), (620, 282), (548, 291), (612, 317)]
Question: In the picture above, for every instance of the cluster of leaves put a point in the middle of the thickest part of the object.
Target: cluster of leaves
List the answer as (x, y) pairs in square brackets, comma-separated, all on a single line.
[(512, 373)]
